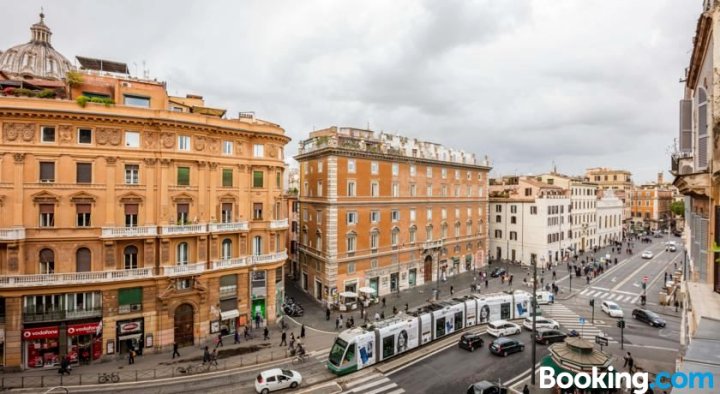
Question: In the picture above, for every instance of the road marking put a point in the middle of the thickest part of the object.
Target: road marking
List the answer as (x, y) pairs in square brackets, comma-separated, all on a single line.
[(368, 385), (634, 300), (625, 292), (362, 380), (584, 292), (600, 288), (669, 349), (399, 391), (381, 389), (417, 360), (633, 275)]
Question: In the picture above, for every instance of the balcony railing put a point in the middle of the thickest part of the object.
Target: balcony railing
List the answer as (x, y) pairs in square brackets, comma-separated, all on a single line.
[(433, 244), (183, 229), (30, 315), (12, 234), (121, 232), (269, 258), (184, 269), (277, 224), (230, 263), (228, 291), (73, 278), (234, 226)]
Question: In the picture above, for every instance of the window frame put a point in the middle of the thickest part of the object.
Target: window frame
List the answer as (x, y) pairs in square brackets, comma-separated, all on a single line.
[(78, 136), (43, 134)]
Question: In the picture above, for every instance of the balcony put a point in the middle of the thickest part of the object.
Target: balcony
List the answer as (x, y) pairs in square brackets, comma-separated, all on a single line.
[(184, 269), (269, 258), (12, 234), (127, 232), (233, 226), (183, 229), (433, 244), (231, 263), (73, 278), (279, 224), (30, 315)]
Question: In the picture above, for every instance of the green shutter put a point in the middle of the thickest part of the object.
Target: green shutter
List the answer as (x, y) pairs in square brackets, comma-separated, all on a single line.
[(183, 176), (130, 296), (257, 179), (227, 179)]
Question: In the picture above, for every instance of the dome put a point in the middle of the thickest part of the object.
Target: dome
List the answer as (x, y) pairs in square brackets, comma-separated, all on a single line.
[(37, 58)]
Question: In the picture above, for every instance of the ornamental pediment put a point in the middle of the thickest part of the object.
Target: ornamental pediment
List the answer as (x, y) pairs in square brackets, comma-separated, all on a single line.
[(182, 198), (131, 198), (82, 198), (45, 197)]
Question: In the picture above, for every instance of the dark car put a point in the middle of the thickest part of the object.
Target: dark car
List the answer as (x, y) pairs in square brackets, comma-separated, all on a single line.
[(485, 387), (470, 341), (648, 317), (504, 346), (548, 335), (498, 272)]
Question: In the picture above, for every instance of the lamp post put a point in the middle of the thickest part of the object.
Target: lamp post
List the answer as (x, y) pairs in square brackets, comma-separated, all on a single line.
[(533, 305)]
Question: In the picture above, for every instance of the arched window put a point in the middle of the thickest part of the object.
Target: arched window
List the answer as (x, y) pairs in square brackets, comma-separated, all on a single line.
[(318, 241), (82, 260), (395, 236), (226, 249), (702, 129), (131, 257), (182, 253), (412, 232), (257, 245), (47, 261), (351, 242)]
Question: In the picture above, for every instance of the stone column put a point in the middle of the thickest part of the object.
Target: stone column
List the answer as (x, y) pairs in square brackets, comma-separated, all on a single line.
[(18, 200)]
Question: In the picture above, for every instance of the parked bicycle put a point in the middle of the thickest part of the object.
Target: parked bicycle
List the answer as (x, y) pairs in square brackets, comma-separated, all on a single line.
[(113, 377), (189, 370)]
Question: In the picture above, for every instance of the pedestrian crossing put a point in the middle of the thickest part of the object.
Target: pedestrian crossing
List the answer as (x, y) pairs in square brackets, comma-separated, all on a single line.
[(320, 355), (615, 296), (375, 383), (571, 321)]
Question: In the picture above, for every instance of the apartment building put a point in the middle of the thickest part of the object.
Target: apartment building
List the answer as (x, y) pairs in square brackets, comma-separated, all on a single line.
[(529, 220), (387, 212), (129, 219), (619, 181), (651, 206)]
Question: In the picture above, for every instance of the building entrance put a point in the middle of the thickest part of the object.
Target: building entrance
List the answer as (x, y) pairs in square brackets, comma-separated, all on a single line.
[(184, 320)]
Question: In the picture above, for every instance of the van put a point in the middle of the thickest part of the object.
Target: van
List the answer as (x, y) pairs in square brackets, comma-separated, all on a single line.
[(545, 297)]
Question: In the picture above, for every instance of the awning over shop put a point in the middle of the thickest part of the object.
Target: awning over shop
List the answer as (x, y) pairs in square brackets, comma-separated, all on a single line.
[(231, 314)]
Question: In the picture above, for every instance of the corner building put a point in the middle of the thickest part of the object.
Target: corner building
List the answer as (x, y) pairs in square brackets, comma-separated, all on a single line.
[(387, 212), (131, 224)]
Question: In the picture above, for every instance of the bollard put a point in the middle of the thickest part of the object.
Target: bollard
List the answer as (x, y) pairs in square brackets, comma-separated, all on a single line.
[(61, 379), (42, 380), (136, 375)]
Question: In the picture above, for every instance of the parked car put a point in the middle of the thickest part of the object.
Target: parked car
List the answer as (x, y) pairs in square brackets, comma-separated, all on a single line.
[(549, 335), (502, 328), (658, 235), (471, 341), (647, 254), (612, 309), (498, 272), (540, 322), (277, 379), (648, 317), (486, 387), (505, 346)]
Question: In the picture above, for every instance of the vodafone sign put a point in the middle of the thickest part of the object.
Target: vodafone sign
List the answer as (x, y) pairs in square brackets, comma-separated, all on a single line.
[(82, 329), (40, 333)]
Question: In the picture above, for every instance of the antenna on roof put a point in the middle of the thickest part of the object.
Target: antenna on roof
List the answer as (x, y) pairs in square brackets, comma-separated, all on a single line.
[(146, 71)]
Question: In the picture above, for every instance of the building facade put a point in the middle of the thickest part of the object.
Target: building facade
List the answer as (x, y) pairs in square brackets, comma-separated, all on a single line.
[(651, 207), (386, 212), (135, 222), (609, 219), (620, 181)]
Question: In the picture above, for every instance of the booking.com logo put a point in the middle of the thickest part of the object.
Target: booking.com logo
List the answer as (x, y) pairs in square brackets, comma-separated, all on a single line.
[(639, 382)]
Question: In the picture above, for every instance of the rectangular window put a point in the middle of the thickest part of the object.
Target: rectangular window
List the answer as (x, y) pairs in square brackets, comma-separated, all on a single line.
[(457, 191), (132, 139), (412, 215), (413, 170), (457, 213), (137, 101), (351, 166), (457, 174), (374, 189), (428, 190), (227, 148), (47, 134), (84, 136), (396, 169), (533, 210), (395, 189), (395, 215), (47, 171), (351, 243), (428, 214), (351, 268), (132, 174), (226, 212), (374, 216), (319, 188), (258, 150), (443, 191), (258, 179), (83, 172), (443, 213), (227, 177), (498, 208), (443, 173), (131, 215), (257, 211), (320, 167), (183, 176), (184, 143), (47, 215), (83, 215), (352, 217), (428, 172), (413, 190), (374, 168), (318, 217), (351, 188)]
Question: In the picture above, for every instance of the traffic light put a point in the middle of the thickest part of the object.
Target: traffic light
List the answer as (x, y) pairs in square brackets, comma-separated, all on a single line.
[(621, 323), (592, 302), (644, 285)]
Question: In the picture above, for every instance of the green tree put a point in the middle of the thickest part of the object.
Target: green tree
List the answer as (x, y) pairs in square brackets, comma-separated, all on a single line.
[(73, 79), (678, 208)]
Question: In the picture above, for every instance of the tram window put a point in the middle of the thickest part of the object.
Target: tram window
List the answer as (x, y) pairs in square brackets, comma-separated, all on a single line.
[(458, 321), (350, 354), (388, 346), (439, 327), (505, 310)]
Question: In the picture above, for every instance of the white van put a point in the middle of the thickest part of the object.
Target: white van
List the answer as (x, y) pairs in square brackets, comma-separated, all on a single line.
[(545, 297)]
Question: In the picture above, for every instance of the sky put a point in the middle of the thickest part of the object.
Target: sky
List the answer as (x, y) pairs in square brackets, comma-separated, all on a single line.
[(530, 83)]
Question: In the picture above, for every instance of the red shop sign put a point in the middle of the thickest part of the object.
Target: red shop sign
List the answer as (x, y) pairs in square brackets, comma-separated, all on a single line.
[(82, 329), (130, 327), (40, 333)]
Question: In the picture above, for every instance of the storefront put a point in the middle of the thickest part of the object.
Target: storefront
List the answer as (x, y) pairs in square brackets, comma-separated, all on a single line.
[(258, 289), (229, 314), (84, 342), (130, 334), (41, 346)]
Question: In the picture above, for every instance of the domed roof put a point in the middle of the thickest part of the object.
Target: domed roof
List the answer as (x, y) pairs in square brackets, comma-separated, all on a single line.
[(37, 58)]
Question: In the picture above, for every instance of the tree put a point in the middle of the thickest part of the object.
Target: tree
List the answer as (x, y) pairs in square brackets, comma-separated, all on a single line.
[(678, 208), (73, 79)]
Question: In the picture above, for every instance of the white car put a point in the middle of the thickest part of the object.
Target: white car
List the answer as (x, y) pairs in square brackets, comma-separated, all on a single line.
[(541, 322), (647, 254), (502, 328), (612, 309), (277, 379)]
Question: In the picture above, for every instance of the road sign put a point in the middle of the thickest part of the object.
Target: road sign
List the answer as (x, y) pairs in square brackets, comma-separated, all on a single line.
[(602, 341), (582, 321), (645, 279)]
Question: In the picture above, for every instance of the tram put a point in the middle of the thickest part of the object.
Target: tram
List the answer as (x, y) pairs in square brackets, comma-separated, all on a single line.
[(374, 342)]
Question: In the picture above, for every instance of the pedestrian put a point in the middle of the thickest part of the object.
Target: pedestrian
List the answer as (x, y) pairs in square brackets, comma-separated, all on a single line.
[(542, 280), (213, 358), (64, 366), (341, 321), (526, 390), (337, 323), (302, 331), (407, 307), (237, 337), (587, 278), (219, 341), (382, 315), (665, 276), (486, 283), (383, 302), (131, 357), (510, 280), (631, 364), (257, 319), (327, 313), (266, 334), (246, 334), (394, 310), (554, 275), (283, 339), (452, 290), (677, 304), (351, 320), (627, 359), (206, 355), (175, 350)]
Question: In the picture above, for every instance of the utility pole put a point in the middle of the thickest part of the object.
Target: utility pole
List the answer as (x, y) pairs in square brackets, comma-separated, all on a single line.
[(592, 304), (533, 304)]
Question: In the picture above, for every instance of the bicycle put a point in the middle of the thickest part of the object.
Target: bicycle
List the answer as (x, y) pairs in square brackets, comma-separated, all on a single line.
[(189, 370), (113, 377), (299, 359)]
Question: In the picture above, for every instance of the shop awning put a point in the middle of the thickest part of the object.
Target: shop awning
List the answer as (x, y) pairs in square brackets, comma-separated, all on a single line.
[(231, 314)]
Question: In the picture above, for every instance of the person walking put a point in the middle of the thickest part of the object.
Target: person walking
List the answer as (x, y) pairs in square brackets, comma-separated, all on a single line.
[(175, 350), (219, 341), (677, 304), (383, 302), (452, 290), (526, 389), (257, 319), (627, 359), (237, 337), (246, 334), (327, 314), (266, 334), (213, 358), (486, 283), (64, 366), (131, 357), (206, 355), (337, 323), (510, 279), (407, 307), (302, 331), (283, 339), (631, 364), (554, 275)]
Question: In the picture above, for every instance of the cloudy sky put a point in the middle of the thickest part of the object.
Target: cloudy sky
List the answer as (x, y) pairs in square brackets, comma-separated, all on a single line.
[(580, 83)]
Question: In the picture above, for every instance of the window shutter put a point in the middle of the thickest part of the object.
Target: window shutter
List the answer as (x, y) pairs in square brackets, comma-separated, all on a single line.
[(257, 179), (47, 171), (228, 305), (47, 208), (227, 177), (685, 140), (228, 280), (131, 296), (226, 206), (83, 260), (702, 151), (183, 176), (131, 209), (82, 208), (84, 173), (183, 208)]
